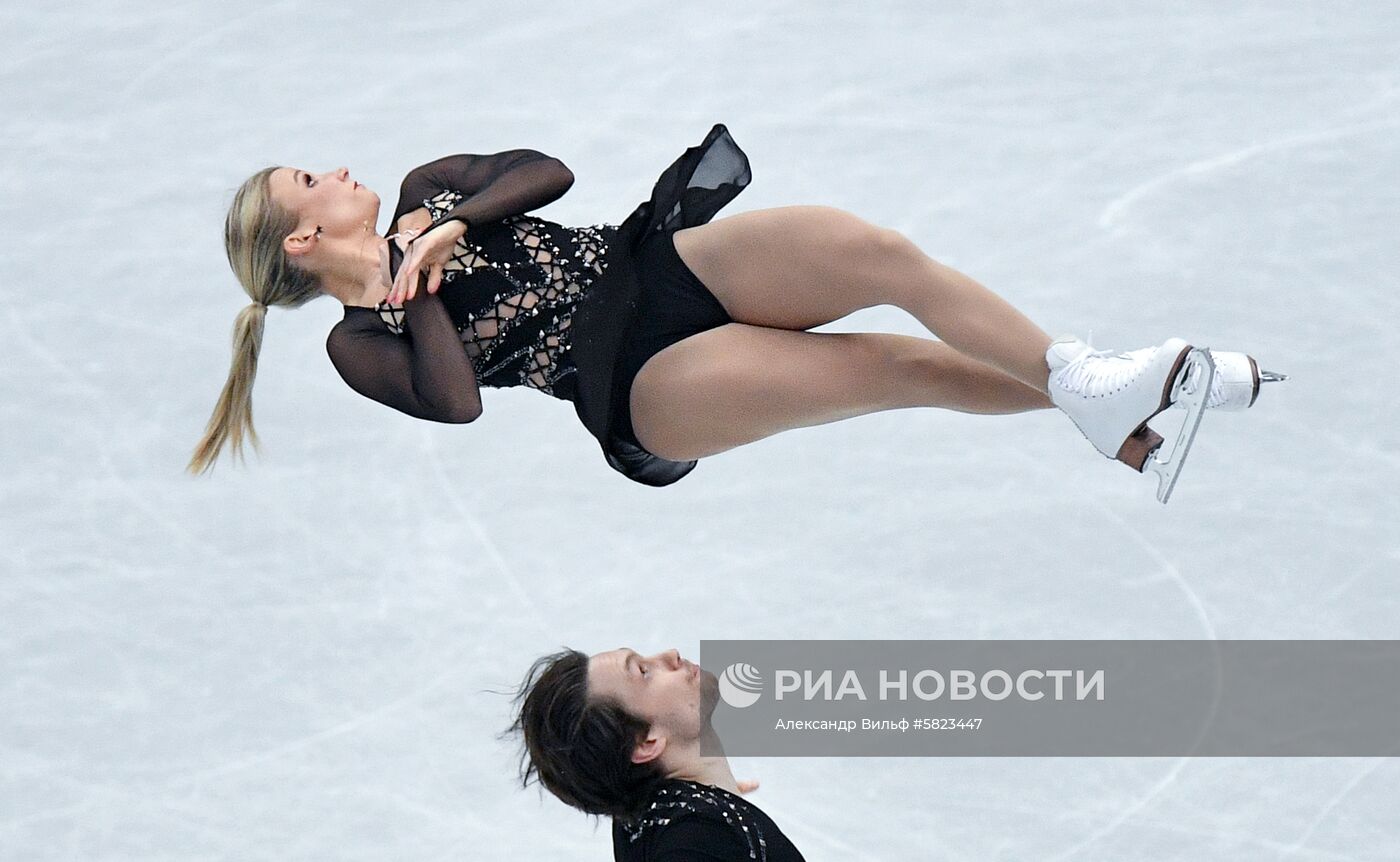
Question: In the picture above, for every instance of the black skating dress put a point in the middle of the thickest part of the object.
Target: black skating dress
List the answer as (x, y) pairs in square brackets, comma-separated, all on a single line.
[(572, 312), (692, 822)]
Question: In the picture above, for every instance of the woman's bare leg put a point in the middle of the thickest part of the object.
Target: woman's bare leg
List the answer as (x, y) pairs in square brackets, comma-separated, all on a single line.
[(738, 383), (801, 266)]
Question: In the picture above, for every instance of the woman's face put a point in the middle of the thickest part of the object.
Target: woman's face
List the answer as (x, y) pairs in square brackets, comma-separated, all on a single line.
[(331, 201)]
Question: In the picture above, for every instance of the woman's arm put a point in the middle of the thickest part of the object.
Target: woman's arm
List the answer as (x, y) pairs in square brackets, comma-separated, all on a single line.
[(425, 373), (497, 186)]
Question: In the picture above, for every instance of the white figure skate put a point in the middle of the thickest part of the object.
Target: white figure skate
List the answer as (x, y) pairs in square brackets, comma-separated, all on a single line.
[(1236, 384), (1111, 397)]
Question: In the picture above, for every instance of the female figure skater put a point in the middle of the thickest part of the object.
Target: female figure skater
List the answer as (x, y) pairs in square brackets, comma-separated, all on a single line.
[(674, 337)]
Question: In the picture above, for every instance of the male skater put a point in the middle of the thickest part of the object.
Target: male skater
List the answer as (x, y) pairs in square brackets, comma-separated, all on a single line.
[(620, 734)]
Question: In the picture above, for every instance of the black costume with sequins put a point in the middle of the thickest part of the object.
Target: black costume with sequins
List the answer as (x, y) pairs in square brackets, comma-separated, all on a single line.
[(528, 302), (696, 822)]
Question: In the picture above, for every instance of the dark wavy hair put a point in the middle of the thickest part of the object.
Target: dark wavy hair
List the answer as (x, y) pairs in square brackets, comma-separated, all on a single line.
[(580, 747)]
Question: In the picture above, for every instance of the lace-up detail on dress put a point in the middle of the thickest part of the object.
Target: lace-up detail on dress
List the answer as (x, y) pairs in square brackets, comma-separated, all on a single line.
[(393, 316), (511, 288)]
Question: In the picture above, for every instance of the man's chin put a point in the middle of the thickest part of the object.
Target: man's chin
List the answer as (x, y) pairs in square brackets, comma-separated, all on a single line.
[(709, 695)]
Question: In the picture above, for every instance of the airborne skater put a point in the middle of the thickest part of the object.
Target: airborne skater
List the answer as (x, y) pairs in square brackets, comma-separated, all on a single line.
[(675, 337)]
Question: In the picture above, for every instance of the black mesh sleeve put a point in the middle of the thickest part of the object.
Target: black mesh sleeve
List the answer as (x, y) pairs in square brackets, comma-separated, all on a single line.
[(497, 186), (424, 372)]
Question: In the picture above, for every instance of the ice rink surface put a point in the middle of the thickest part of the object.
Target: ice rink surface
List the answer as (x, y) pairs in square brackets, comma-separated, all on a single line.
[(299, 659)]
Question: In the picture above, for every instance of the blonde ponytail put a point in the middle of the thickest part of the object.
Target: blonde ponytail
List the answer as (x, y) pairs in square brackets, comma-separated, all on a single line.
[(233, 415), (253, 234)]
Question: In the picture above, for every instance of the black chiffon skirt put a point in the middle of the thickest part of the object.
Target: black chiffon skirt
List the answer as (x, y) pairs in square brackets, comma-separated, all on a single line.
[(623, 320)]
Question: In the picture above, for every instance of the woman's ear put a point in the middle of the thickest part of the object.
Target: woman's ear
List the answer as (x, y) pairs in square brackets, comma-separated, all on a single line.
[(648, 749), (301, 242)]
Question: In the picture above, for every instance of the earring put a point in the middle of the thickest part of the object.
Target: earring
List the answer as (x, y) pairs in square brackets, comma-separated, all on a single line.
[(318, 230)]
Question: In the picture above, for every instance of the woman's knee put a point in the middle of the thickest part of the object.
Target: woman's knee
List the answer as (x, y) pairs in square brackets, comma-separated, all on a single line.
[(886, 260), (891, 361), (860, 233)]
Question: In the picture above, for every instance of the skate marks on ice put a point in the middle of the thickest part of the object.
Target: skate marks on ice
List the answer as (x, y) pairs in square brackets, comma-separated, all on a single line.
[(179, 50), (1300, 843), (1112, 215), (485, 541), (101, 402), (1208, 632)]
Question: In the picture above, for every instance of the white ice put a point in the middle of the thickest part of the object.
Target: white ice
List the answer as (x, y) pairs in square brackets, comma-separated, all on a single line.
[(297, 659)]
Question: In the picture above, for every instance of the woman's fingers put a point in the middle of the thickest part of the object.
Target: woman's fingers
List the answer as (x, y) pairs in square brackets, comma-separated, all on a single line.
[(418, 261), (407, 280), (748, 786), (400, 281)]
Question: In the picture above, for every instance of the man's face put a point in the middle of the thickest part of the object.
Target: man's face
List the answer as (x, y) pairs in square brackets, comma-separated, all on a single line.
[(674, 696)]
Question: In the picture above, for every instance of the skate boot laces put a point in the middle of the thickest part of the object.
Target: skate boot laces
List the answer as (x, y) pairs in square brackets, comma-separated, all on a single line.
[(1099, 373)]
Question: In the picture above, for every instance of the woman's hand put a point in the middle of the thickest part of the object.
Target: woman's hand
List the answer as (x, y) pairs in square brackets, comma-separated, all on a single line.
[(431, 252)]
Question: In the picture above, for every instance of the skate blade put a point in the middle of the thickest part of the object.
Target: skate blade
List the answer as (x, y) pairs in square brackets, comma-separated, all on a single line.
[(1271, 377), (1167, 464)]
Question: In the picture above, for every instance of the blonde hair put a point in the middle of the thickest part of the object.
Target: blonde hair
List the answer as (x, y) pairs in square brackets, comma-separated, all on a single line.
[(253, 234)]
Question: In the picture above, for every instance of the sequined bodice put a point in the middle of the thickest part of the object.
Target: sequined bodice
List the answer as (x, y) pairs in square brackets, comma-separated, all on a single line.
[(526, 301), (511, 288)]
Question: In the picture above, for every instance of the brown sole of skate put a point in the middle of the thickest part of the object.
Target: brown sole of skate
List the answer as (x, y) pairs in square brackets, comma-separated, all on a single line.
[(1143, 441)]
